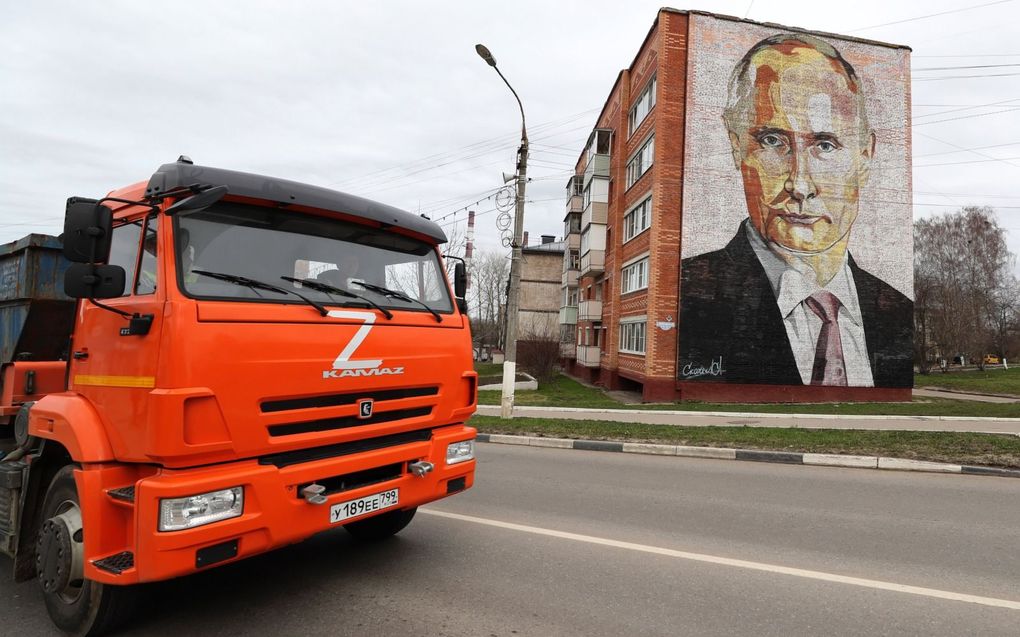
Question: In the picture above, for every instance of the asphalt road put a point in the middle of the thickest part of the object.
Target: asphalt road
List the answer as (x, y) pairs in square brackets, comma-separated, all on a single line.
[(559, 542)]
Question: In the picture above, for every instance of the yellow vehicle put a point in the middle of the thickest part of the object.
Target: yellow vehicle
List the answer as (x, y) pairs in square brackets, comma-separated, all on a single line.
[(991, 359)]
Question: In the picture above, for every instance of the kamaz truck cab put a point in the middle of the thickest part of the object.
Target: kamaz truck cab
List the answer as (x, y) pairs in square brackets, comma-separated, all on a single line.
[(242, 362)]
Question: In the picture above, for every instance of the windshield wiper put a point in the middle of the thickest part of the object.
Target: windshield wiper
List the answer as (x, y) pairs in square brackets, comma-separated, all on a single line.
[(396, 295), (319, 286), (257, 285)]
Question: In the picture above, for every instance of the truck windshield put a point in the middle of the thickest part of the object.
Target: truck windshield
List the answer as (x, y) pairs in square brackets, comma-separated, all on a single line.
[(283, 248)]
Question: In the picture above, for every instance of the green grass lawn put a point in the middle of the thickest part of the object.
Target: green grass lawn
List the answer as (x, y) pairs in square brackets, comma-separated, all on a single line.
[(563, 391), (992, 380), (957, 448), (489, 369)]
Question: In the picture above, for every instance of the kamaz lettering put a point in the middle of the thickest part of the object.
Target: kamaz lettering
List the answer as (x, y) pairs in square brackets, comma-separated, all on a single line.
[(378, 371)]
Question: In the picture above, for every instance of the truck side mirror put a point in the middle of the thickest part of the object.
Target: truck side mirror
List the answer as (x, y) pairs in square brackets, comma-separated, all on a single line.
[(459, 280), (88, 281), (87, 226)]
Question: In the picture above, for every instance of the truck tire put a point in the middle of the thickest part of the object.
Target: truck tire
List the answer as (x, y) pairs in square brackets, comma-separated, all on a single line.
[(382, 526), (77, 606)]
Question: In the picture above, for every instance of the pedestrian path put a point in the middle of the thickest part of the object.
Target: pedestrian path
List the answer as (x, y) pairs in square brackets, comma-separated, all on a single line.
[(746, 419), (959, 395)]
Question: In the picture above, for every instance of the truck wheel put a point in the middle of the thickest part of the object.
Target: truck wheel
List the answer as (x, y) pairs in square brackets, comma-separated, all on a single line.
[(382, 526), (76, 605)]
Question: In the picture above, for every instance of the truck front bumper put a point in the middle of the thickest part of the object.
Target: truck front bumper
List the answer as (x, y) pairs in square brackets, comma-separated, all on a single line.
[(275, 513)]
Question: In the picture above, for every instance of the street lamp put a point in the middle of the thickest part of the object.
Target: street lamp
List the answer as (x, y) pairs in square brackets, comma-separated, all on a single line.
[(513, 294)]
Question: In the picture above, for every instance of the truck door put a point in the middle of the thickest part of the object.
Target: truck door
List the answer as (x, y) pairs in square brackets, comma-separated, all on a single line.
[(114, 369)]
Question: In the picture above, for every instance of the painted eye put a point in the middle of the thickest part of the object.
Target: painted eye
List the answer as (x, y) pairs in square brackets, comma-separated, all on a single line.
[(771, 140), (826, 146)]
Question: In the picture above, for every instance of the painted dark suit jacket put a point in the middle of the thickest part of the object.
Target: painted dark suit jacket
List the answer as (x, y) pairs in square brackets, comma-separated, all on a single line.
[(728, 310)]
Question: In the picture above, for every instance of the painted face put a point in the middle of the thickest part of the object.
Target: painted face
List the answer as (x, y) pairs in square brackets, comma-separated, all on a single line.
[(802, 156)]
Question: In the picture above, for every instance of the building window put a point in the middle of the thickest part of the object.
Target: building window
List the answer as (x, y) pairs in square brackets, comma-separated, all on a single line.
[(575, 259), (642, 107), (632, 335), (637, 220), (634, 276), (641, 161)]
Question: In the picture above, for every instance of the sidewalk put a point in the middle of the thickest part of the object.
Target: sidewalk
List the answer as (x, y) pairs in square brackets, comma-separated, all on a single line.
[(634, 398), (739, 419), (931, 392)]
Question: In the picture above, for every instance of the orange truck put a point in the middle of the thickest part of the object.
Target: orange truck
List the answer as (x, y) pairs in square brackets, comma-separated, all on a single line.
[(213, 364)]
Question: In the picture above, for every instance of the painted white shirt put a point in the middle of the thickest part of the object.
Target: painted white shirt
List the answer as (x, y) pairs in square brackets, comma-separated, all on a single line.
[(791, 287)]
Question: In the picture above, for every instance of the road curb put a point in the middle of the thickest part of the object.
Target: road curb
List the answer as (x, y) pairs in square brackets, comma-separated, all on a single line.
[(752, 455)]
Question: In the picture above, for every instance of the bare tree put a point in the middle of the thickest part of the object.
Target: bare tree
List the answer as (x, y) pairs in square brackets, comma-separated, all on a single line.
[(487, 297), (963, 277)]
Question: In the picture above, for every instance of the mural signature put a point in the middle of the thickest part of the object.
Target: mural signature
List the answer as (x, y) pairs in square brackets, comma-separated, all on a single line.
[(714, 368)]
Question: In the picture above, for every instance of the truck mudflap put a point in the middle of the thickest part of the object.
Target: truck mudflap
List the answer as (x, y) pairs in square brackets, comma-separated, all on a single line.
[(286, 498), (11, 481)]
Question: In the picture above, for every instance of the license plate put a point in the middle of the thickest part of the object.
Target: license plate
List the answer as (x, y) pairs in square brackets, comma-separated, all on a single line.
[(368, 504)]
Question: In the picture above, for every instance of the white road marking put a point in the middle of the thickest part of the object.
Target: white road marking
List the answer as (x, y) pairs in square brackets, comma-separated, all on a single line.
[(725, 561)]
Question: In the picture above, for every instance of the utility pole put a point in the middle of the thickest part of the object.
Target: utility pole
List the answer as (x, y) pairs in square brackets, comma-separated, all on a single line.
[(513, 294)]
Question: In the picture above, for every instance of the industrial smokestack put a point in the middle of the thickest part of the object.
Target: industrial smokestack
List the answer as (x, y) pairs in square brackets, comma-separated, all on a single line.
[(470, 247)]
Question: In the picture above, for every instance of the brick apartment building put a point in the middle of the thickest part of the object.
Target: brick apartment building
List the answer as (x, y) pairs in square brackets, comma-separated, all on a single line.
[(684, 276)]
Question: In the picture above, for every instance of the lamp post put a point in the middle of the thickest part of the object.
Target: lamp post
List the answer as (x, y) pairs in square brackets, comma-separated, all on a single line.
[(513, 294)]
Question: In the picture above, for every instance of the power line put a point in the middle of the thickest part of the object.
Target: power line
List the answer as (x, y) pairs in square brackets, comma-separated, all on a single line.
[(963, 77), (487, 145), (961, 150), (972, 161), (930, 15), (966, 108), (971, 55), (954, 68), (970, 150)]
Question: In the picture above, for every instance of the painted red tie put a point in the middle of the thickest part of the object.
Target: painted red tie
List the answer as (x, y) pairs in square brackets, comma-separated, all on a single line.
[(829, 368)]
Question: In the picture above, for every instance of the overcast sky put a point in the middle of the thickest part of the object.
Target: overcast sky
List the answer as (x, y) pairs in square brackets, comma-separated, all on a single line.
[(388, 100)]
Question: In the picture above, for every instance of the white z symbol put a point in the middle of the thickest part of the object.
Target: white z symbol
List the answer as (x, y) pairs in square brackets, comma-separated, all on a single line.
[(343, 361)]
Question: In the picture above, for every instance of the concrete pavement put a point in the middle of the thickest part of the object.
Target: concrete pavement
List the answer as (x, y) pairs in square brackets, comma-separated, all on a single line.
[(747, 419)]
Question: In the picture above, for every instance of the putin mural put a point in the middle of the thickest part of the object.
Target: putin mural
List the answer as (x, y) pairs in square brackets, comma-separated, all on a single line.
[(784, 300)]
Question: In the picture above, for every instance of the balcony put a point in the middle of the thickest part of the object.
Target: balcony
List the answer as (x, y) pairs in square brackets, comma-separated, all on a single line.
[(572, 224), (574, 203), (568, 315), (596, 213), (593, 263), (598, 166), (569, 278), (589, 310), (573, 241), (588, 356)]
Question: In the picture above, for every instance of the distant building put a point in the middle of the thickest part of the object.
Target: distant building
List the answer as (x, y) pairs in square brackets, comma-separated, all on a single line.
[(739, 227), (541, 281)]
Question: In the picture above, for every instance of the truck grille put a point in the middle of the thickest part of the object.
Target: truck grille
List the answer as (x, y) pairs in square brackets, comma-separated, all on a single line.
[(358, 479), (335, 400), (329, 424), (287, 458)]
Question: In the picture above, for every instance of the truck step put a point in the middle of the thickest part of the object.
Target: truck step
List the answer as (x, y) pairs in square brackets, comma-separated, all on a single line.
[(124, 494), (117, 563)]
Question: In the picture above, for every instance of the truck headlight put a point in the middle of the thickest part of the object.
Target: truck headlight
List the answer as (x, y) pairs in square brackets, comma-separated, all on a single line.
[(460, 452), (176, 514)]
